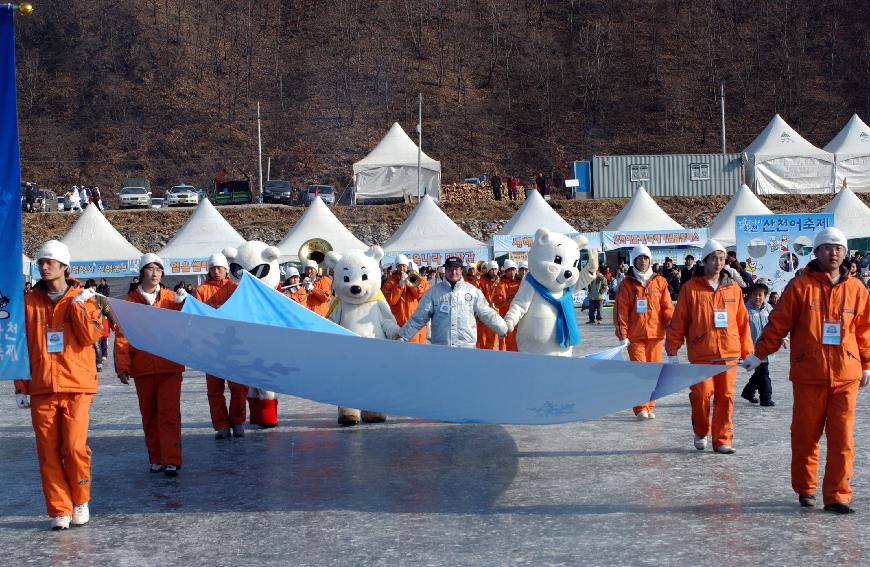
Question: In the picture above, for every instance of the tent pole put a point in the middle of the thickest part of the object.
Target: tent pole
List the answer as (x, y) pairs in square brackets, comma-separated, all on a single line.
[(722, 112), (260, 152), (419, 142)]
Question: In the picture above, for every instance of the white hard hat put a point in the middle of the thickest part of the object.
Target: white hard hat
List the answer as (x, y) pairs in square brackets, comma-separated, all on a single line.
[(830, 235), (292, 272), (492, 265), (310, 264), (54, 250), (522, 265), (218, 260), (710, 247), (150, 258), (509, 264), (401, 260), (640, 250)]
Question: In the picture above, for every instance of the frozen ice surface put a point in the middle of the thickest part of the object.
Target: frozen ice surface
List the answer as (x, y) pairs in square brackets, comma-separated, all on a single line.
[(613, 491)]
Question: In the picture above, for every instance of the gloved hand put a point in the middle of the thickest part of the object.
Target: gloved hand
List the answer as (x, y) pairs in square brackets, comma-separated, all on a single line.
[(84, 295), (673, 359), (624, 343), (180, 295), (23, 400), (124, 377), (865, 379), (751, 363), (307, 284), (403, 279), (510, 325)]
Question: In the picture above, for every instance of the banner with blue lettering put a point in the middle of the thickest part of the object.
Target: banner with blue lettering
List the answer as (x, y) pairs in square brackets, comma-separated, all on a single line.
[(98, 269), (14, 362), (613, 239)]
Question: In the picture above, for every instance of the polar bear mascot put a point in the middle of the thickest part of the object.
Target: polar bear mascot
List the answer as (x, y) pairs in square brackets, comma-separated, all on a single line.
[(359, 306), (261, 261), (543, 309)]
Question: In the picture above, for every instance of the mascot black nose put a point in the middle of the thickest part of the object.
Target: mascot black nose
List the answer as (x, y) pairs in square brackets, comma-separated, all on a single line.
[(355, 289), (568, 274)]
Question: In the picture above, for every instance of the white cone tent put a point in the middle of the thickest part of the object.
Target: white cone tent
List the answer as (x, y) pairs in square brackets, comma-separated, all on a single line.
[(642, 213), (851, 149), (780, 161), (744, 202), (318, 222), (389, 171), (97, 249), (851, 215), (535, 213), (204, 233), (428, 234)]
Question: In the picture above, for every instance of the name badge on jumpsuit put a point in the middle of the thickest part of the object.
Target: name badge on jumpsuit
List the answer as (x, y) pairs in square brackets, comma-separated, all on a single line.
[(641, 306), (720, 318), (54, 341), (831, 333)]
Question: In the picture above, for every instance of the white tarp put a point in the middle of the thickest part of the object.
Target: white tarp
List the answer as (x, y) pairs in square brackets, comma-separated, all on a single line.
[(780, 161), (642, 213), (851, 148), (744, 202), (389, 171), (204, 233), (318, 222), (93, 239), (851, 215)]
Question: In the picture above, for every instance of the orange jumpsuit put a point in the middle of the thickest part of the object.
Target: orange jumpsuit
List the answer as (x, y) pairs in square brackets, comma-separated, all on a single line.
[(299, 295), (158, 387), (509, 341), (403, 301), (693, 321), (645, 331), (494, 293), (61, 386), (215, 293), (825, 377), (320, 296)]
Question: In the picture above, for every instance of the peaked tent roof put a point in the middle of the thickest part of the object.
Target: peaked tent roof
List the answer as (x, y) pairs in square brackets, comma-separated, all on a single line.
[(851, 215), (642, 213), (396, 148), (778, 139), (852, 141), (93, 239), (535, 213), (318, 222), (744, 202), (204, 233), (429, 228)]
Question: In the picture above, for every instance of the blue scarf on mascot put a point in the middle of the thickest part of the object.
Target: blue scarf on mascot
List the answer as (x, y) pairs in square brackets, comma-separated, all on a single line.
[(566, 322)]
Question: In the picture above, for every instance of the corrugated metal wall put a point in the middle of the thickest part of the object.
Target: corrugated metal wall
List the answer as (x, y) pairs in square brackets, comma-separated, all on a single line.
[(668, 175)]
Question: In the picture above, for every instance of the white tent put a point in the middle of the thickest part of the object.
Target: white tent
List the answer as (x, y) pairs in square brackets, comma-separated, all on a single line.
[(93, 239), (318, 222), (204, 233), (642, 213), (781, 161), (851, 215), (535, 213), (851, 149), (390, 170), (744, 202)]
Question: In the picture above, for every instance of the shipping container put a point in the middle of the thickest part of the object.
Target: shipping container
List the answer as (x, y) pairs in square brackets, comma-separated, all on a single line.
[(674, 175)]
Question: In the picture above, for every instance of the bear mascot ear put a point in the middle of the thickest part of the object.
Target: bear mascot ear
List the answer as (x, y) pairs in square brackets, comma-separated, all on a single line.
[(375, 252), (582, 241), (542, 236), (271, 253), (230, 253), (332, 259)]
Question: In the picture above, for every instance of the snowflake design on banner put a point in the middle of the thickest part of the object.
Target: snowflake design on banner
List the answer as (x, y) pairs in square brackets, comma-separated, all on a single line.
[(230, 353), (549, 409)]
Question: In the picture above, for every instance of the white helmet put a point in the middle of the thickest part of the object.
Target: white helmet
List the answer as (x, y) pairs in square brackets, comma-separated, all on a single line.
[(218, 260), (401, 260), (522, 265), (150, 258), (509, 265), (640, 250), (830, 235), (492, 265), (54, 250), (292, 272), (710, 247), (310, 264)]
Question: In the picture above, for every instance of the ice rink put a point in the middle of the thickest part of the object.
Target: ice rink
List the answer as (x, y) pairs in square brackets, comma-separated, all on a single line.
[(613, 491)]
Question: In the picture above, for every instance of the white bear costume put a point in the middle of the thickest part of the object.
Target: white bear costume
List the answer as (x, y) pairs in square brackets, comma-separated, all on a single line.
[(261, 261), (359, 306), (554, 261)]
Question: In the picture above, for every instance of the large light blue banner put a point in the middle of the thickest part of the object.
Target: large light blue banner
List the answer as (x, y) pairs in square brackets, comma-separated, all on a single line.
[(14, 362)]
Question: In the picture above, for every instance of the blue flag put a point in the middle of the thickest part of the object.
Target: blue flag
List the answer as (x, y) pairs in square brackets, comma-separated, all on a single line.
[(14, 362)]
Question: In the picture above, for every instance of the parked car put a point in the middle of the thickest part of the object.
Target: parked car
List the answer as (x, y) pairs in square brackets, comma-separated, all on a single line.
[(326, 193), (134, 197), (278, 191), (46, 201), (182, 195), (157, 203), (232, 193)]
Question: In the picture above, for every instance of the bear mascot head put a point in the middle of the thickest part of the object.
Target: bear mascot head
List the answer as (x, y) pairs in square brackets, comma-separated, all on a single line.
[(554, 259), (356, 274), (258, 258)]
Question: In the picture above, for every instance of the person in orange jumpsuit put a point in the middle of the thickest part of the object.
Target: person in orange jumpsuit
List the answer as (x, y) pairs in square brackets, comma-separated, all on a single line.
[(642, 312), (494, 293), (711, 317), (318, 288), (294, 289), (62, 322), (214, 291), (511, 284), (157, 380), (471, 276), (522, 269), (402, 298), (827, 313)]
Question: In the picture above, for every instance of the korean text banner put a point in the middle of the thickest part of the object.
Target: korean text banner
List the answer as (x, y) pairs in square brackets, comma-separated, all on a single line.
[(185, 266), (774, 247), (101, 269), (696, 237), (513, 243), (436, 258), (14, 362)]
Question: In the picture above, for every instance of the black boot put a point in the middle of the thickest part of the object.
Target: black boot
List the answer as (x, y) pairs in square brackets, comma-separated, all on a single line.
[(749, 395)]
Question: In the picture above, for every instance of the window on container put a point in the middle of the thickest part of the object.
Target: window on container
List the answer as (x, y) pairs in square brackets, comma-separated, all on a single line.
[(638, 172), (699, 171)]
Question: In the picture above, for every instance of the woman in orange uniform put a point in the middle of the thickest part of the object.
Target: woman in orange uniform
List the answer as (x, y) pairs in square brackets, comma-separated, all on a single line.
[(63, 323), (827, 313), (643, 311), (158, 381), (403, 298), (511, 284), (294, 289), (711, 317), (318, 288), (493, 291)]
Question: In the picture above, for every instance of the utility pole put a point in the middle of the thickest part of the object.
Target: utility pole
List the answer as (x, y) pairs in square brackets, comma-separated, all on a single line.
[(419, 143), (722, 107), (260, 152)]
